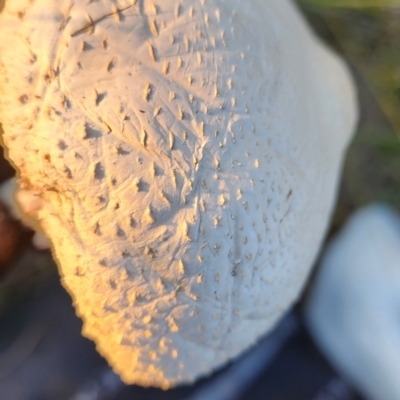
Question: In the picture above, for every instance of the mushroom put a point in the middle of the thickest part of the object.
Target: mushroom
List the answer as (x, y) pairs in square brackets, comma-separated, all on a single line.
[(187, 155), (353, 308), (24, 205)]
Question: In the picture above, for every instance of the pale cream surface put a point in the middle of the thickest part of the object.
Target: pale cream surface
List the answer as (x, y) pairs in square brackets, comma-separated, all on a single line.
[(187, 154), (353, 307)]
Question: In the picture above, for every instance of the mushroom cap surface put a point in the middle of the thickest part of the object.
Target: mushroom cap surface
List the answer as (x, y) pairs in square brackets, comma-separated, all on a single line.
[(353, 308), (187, 154)]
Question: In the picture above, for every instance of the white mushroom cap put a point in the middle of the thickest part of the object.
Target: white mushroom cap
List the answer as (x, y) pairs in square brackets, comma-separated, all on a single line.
[(353, 311), (187, 154)]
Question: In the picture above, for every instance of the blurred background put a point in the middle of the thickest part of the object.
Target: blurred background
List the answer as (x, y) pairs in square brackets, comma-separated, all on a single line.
[(44, 357)]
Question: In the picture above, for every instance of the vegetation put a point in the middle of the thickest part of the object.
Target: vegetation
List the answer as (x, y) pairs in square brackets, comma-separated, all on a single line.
[(366, 32)]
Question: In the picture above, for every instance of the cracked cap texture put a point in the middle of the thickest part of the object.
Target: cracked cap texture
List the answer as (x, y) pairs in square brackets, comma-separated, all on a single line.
[(187, 156)]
